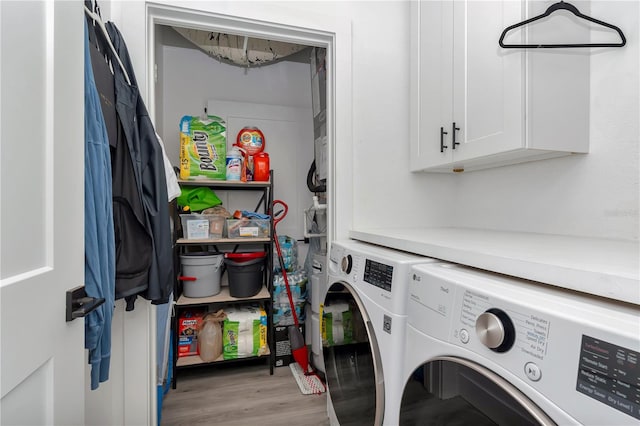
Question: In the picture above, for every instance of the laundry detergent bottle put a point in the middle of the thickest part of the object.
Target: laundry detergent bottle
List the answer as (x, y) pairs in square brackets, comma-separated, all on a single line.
[(261, 167), (234, 164)]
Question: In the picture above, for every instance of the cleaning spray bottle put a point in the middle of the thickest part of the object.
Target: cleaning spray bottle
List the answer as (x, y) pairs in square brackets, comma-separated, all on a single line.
[(234, 163)]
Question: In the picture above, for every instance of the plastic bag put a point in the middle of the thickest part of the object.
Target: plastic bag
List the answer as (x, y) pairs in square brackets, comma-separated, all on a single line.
[(210, 336), (198, 198)]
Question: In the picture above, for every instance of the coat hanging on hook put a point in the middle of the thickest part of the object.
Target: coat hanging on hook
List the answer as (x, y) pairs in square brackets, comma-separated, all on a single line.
[(561, 6)]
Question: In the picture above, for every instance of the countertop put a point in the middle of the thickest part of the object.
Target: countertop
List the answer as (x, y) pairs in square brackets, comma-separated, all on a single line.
[(601, 267)]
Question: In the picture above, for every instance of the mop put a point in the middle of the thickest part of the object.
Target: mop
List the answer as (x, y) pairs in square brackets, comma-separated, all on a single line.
[(308, 381)]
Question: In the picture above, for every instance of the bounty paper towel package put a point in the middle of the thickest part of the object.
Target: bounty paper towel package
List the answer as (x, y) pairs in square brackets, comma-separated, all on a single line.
[(203, 148), (244, 332)]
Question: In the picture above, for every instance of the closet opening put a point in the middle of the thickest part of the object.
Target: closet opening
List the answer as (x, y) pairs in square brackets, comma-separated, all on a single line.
[(251, 74), (259, 74)]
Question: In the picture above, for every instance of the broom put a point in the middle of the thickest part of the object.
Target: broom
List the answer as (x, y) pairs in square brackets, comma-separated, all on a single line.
[(308, 384)]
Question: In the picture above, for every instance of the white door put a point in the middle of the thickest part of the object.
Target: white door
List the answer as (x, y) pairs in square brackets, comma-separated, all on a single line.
[(42, 357), (488, 82), (431, 91)]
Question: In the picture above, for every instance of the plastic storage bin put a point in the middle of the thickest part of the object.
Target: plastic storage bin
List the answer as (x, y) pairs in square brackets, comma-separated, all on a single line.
[(248, 228), (201, 226)]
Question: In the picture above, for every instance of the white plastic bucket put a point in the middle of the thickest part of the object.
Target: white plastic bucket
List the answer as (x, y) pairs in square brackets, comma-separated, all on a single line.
[(201, 272)]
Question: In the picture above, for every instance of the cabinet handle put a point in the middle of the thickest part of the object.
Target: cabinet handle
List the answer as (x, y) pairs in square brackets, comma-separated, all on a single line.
[(442, 145), (453, 139)]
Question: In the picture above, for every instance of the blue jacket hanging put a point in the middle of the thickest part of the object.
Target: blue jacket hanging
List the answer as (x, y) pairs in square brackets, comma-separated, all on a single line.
[(133, 240), (98, 235)]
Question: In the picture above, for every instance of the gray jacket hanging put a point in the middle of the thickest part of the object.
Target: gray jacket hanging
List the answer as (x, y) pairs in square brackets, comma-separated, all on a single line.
[(146, 154)]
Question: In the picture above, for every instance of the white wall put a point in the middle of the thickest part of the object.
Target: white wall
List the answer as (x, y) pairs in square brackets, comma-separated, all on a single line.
[(586, 195), (385, 192), (591, 195)]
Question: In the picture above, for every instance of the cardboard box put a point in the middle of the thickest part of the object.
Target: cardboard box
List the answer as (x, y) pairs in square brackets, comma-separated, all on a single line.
[(188, 324), (283, 348)]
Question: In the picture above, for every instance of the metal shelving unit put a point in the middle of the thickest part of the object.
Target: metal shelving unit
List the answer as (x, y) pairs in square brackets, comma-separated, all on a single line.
[(223, 298)]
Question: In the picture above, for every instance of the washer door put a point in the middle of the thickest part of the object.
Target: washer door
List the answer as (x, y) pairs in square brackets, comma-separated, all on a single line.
[(352, 361), (454, 391)]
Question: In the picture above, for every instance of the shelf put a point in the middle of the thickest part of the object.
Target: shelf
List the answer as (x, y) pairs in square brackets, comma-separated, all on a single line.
[(212, 241), (188, 361), (225, 184), (223, 297)]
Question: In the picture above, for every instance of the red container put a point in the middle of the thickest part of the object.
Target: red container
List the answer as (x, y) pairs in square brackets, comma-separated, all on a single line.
[(261, 167), (251, 139), (245, 257)]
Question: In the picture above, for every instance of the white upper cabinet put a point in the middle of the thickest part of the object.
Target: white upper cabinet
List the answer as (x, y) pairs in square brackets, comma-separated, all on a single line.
[(475, 105)]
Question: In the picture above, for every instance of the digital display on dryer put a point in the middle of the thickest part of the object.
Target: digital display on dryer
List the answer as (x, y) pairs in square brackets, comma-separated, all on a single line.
[(610, 374), (378, 274)]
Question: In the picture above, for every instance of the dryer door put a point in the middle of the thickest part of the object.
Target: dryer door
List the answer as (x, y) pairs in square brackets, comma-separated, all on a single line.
[(353, 367), (455, 391)]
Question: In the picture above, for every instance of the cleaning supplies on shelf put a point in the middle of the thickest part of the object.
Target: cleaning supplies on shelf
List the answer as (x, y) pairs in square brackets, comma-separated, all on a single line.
[(210, 336), (234, 164), (261, 167), (251, 139), (244, 332), (203, 142)]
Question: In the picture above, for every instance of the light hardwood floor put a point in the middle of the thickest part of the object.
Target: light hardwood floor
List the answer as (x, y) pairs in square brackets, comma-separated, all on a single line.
[(240, 395)]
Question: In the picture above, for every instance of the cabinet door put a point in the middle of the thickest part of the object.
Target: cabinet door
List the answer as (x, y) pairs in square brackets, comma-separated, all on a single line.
[(488, 82), (431, 79)]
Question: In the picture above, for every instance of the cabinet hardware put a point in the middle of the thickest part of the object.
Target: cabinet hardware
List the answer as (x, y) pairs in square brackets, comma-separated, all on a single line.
[(453, 138), (442, 145)]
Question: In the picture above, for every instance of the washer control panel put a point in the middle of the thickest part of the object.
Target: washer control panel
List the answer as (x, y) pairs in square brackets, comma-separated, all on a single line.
[(579, 352), (502, 329), (610, 374)]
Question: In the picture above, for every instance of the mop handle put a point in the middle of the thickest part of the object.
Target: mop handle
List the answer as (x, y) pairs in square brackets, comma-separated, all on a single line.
[(281, 260)]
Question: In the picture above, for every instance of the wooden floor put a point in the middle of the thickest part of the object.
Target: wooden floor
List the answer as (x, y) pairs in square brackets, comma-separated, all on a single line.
[(240, 395)]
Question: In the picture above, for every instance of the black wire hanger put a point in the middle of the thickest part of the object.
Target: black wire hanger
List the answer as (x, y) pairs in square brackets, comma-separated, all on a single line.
[(571, 8)]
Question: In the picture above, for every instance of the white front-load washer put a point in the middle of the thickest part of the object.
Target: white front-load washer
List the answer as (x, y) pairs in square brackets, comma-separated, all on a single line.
[(485, 349), (363, 334)]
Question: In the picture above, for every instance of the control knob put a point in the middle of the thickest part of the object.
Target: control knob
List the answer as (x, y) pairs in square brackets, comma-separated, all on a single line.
[(495, 330), (347, 264)]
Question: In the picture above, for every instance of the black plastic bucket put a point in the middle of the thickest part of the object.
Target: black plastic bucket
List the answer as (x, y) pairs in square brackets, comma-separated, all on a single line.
[(245, 278)]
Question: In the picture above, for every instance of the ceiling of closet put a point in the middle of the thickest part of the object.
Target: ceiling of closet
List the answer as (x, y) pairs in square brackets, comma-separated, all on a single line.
[(241, 50)]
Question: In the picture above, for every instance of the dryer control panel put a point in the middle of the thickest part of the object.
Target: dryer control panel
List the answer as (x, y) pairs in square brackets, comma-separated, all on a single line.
[(378, 274)]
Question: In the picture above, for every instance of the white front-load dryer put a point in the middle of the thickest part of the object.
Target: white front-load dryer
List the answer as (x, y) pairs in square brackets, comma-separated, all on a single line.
[(363, 333), (485, 349)]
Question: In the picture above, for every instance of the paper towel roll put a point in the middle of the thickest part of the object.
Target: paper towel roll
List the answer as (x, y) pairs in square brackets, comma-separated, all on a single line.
[(245, 345), (336, 312), (338, 333), (336, 308)]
